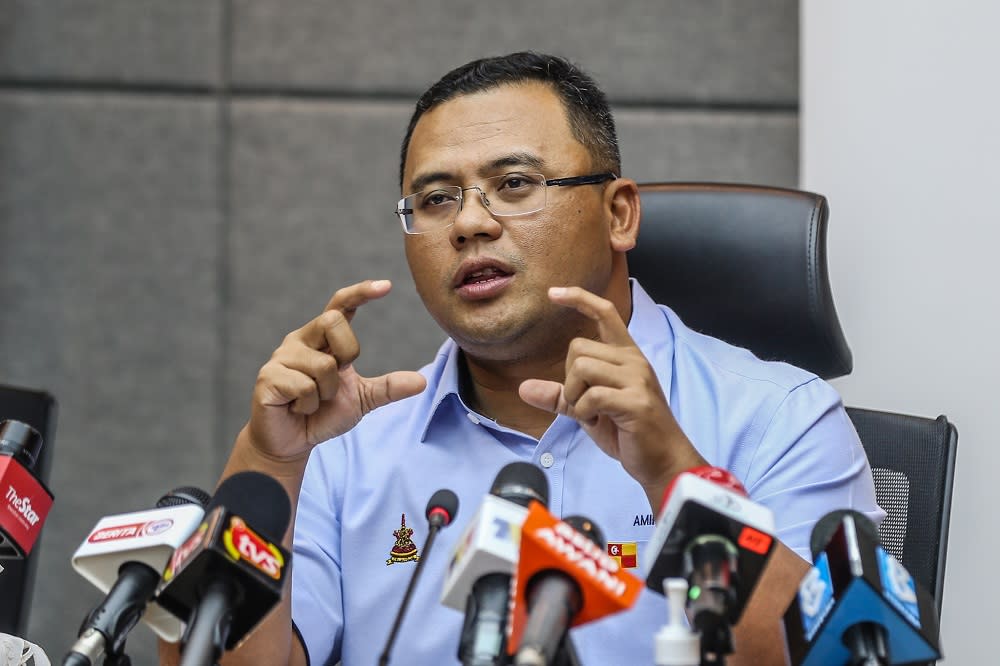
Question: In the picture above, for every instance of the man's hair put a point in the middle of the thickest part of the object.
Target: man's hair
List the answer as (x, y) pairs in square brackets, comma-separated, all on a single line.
[(586, 105)]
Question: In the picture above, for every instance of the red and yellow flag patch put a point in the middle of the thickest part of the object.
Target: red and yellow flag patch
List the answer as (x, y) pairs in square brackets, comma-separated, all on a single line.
[(625, 553)]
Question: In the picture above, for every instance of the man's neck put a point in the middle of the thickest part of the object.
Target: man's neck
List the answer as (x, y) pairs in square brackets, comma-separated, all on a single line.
[(490, 388)]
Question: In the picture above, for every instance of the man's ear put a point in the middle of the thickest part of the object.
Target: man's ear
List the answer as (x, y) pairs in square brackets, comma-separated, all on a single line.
[(622, 200)]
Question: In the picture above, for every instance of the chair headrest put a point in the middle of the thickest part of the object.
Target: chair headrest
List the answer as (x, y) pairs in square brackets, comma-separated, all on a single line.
[(746, 264)]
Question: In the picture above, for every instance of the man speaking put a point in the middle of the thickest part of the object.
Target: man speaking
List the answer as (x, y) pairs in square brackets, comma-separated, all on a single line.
[(516, 223)]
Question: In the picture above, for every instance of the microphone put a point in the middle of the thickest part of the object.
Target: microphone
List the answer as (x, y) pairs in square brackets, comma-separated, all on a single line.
[(229, 574), (709, 533), (478, 578), (564, 578), (858, 605), (123, 556), (24, 499), (441, 510)]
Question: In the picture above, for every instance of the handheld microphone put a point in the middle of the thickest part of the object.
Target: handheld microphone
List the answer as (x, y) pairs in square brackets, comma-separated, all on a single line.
[(229, 574), (564, 578), (478, 579), (24, 500), (858, 605), (441, 510), (123, 556), (709, 533)]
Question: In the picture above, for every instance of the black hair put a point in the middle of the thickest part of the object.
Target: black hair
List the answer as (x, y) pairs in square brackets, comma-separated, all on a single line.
[(586, 105)]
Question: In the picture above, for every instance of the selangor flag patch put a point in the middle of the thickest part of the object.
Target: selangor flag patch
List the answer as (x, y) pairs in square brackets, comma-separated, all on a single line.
[(625, 553)]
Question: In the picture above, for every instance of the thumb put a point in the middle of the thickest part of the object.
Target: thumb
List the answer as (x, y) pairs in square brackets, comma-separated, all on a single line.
[(394, 386), (543, 394)]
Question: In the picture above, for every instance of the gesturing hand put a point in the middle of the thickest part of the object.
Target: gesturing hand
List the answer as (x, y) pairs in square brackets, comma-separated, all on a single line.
[(613, 392), (309, 392)]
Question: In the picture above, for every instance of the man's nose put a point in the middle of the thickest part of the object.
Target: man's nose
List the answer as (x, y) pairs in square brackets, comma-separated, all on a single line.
[(474, 218)]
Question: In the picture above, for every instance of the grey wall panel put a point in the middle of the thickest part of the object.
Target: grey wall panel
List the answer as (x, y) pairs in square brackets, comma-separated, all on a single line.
[(131, 41), (109, 219), (647, 50), (314, 187), (749, 147)]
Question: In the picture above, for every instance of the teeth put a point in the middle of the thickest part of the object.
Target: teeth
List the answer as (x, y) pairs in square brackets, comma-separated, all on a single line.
[(483, 274)]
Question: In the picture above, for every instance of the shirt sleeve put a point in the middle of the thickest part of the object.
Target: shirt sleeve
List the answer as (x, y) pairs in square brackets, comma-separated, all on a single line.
[(810, 462), (317, 596)]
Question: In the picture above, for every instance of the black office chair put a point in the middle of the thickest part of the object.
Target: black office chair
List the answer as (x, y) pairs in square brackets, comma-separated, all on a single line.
[(37, 409), (747, 264)]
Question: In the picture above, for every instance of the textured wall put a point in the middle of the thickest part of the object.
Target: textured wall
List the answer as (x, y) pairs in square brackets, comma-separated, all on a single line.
[(184, 181)]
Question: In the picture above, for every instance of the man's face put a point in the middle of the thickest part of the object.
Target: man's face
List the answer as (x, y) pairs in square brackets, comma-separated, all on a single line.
[(485, 278)]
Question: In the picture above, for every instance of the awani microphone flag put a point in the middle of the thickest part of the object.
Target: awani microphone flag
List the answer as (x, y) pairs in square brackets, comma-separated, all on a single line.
[(547, 543)]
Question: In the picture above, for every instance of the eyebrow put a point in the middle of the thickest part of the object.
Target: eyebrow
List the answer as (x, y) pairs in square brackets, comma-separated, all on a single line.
[(519, 159)]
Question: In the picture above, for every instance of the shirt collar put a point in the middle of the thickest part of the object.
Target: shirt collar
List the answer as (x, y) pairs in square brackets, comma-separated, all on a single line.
[(646, 328)]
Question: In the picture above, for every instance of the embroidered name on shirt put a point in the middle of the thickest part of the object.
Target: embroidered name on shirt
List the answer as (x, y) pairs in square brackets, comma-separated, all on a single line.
[(404, 550), (643, 520)]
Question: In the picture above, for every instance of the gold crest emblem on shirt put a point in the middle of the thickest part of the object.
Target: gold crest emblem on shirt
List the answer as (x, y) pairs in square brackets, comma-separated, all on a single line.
[(404, 550)]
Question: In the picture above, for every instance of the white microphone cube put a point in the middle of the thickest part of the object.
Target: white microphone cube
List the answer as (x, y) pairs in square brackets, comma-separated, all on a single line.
[(490, 544), (149, 537)]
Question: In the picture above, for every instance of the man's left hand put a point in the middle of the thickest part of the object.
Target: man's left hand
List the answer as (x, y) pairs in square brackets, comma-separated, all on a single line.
[(611, 389)]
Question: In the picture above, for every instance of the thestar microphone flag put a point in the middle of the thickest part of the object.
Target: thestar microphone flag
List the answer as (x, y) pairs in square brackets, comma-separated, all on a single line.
[(858, 605), (24, 500), (709, 533), (563, 579), (230, 573), (123, 556)]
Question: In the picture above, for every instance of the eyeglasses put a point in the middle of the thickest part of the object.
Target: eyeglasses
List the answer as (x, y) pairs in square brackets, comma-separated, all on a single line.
[(505, 196)]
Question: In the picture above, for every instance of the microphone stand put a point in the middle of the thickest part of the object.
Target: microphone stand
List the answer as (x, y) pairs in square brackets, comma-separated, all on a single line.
[(436, 523)]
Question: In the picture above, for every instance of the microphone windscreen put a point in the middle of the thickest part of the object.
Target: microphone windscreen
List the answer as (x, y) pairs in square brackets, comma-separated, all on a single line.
[(587, 528), (258, 499), (826, 527), (21, 441), (443, 503), (184, 495), (521, 482)]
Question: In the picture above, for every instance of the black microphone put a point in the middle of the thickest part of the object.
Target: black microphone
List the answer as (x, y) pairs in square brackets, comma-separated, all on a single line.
[(441, 510), (480, 573), (225, 578), (858, 605), (135, 546), (24, 499)]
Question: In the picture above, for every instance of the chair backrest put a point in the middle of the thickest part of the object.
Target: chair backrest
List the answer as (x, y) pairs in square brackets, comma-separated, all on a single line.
[(37, 409), (747, 264), (913, 462)]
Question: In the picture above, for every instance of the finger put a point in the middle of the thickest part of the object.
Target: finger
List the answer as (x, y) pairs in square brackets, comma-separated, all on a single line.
[(598, 401), (586, 372), (320, 366), (543, 394), (390, 387), (610, 326), (623, 406), (278, 385), (331, 332), (349, 299)]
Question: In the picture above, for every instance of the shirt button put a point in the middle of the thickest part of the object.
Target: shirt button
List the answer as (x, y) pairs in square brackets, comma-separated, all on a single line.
[(473, 418), (547, 459)]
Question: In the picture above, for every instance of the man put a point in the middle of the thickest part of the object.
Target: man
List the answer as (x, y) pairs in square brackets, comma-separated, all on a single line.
[(516, 228)]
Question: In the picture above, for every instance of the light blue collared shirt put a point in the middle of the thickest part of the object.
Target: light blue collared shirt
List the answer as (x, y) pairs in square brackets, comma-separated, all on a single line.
[(781, 430)]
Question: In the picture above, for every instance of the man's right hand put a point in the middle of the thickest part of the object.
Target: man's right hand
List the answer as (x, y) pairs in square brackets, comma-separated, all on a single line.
[(309, 392)]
